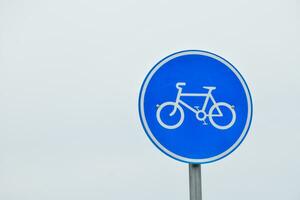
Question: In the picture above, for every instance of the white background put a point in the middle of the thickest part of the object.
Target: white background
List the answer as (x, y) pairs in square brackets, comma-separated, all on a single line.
[(70, 74)]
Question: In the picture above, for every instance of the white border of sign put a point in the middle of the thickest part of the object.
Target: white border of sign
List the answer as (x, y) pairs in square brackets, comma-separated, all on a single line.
[(160, 146)]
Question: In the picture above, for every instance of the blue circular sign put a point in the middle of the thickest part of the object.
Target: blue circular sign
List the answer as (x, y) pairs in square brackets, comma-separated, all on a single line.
[(195, 106)]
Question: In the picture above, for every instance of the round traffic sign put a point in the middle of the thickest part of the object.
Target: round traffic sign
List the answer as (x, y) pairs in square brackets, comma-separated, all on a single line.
[(195, 106)]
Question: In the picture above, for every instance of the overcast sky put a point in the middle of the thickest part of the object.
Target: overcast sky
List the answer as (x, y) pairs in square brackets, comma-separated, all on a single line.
[(70, 74)]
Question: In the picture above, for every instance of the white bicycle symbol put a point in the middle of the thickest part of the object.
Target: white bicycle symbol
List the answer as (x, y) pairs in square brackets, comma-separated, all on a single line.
[(201, 114)]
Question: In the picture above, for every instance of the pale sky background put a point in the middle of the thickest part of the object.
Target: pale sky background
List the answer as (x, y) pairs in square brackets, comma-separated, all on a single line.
[(70, 74)]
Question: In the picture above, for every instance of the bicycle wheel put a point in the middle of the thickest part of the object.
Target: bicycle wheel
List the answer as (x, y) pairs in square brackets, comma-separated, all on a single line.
[(220, 105), (163, 107)]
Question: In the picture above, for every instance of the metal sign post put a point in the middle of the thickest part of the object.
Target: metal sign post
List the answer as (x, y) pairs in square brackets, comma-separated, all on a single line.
[(195, 182)]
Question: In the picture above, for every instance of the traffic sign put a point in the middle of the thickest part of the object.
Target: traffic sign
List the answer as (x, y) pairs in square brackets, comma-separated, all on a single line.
[(195, 106)]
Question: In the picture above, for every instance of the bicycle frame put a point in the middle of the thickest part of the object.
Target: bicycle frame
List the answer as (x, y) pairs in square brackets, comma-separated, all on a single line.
[(208, 96)]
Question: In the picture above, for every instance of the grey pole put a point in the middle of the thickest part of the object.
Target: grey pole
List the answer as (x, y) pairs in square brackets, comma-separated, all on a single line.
[(195, 182)]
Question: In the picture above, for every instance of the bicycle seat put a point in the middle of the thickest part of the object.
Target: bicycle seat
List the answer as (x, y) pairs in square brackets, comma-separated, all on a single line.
[(209, 87), (180, 84)]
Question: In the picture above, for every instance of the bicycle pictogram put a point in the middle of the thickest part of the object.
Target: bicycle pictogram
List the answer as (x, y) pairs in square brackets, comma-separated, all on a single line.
[(201, 114)]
